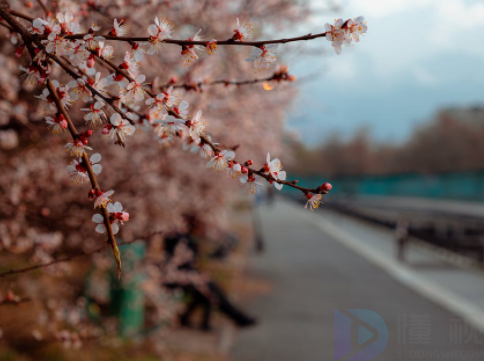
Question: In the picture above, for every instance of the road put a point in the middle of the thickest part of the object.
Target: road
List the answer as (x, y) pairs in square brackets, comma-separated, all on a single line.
[(313, 274)]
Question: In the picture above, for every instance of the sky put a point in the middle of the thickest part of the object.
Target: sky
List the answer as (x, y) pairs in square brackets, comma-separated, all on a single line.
[(417, 57)]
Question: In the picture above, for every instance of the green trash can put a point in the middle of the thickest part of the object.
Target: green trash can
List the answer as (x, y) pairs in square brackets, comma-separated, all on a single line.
[(127, 299)]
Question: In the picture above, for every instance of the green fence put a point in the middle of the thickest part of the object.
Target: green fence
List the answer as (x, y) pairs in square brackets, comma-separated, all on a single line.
[(467, 186)]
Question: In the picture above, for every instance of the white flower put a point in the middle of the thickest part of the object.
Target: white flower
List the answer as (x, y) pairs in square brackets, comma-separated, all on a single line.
[(96, 115), (197, 127), (38, 26), (220, 160), (119, 29), (170, 125), (77, 148), (356, 27), (66, 21), (62, 93), (135, 91), (92, 41), (336, 34), (104, 51), (251, 183), (78, 171), (159, 31), (234, 169), (78, 53), (131, 63), (32, 75), (56, 42), (182, 109), (191, 52), (117, 215), (274, 168), (58, 124), (79, 89), (103, 199), (169, 98), (244, 31), (264, 56), (206, 151), (157, 102), (122, 127), (99, 84), (314, 200)]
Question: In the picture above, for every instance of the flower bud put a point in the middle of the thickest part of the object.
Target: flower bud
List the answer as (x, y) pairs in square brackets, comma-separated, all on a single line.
[(91, 61), (106, 129), (245, 170), (249, 162), (63, 124), (123, 216), (326, 187), (91, 194)]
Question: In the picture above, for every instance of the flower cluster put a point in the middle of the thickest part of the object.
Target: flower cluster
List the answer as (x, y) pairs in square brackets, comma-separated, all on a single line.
[(343, 33)]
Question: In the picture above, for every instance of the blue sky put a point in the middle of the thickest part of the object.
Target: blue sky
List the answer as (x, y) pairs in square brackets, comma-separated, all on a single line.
[(418, 56)]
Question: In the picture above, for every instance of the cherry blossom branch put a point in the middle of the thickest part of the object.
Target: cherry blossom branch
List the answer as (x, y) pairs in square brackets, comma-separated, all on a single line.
[(339, 32), (72, 257), (256, 44), (319, 190), (182, 43), (92, 176)]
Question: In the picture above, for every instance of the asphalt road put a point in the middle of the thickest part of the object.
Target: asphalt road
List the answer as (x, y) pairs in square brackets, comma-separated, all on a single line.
[(312, 275)]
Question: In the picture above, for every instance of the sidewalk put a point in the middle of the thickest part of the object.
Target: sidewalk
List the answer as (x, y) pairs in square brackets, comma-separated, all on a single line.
[(458, 289), (320, 261)]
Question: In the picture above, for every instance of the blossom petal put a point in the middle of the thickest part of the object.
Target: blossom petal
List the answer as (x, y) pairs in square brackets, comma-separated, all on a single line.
[(97, 218)]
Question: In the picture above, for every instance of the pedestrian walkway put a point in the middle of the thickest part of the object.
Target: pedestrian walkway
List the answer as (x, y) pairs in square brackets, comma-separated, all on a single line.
[(321, 261)]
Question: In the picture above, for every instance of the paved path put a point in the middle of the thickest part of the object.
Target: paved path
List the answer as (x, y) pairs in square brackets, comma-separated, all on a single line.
[(315, 269)]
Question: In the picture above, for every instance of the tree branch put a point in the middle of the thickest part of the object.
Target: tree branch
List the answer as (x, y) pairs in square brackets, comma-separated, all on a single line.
[(87, 164), (70, 258)]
